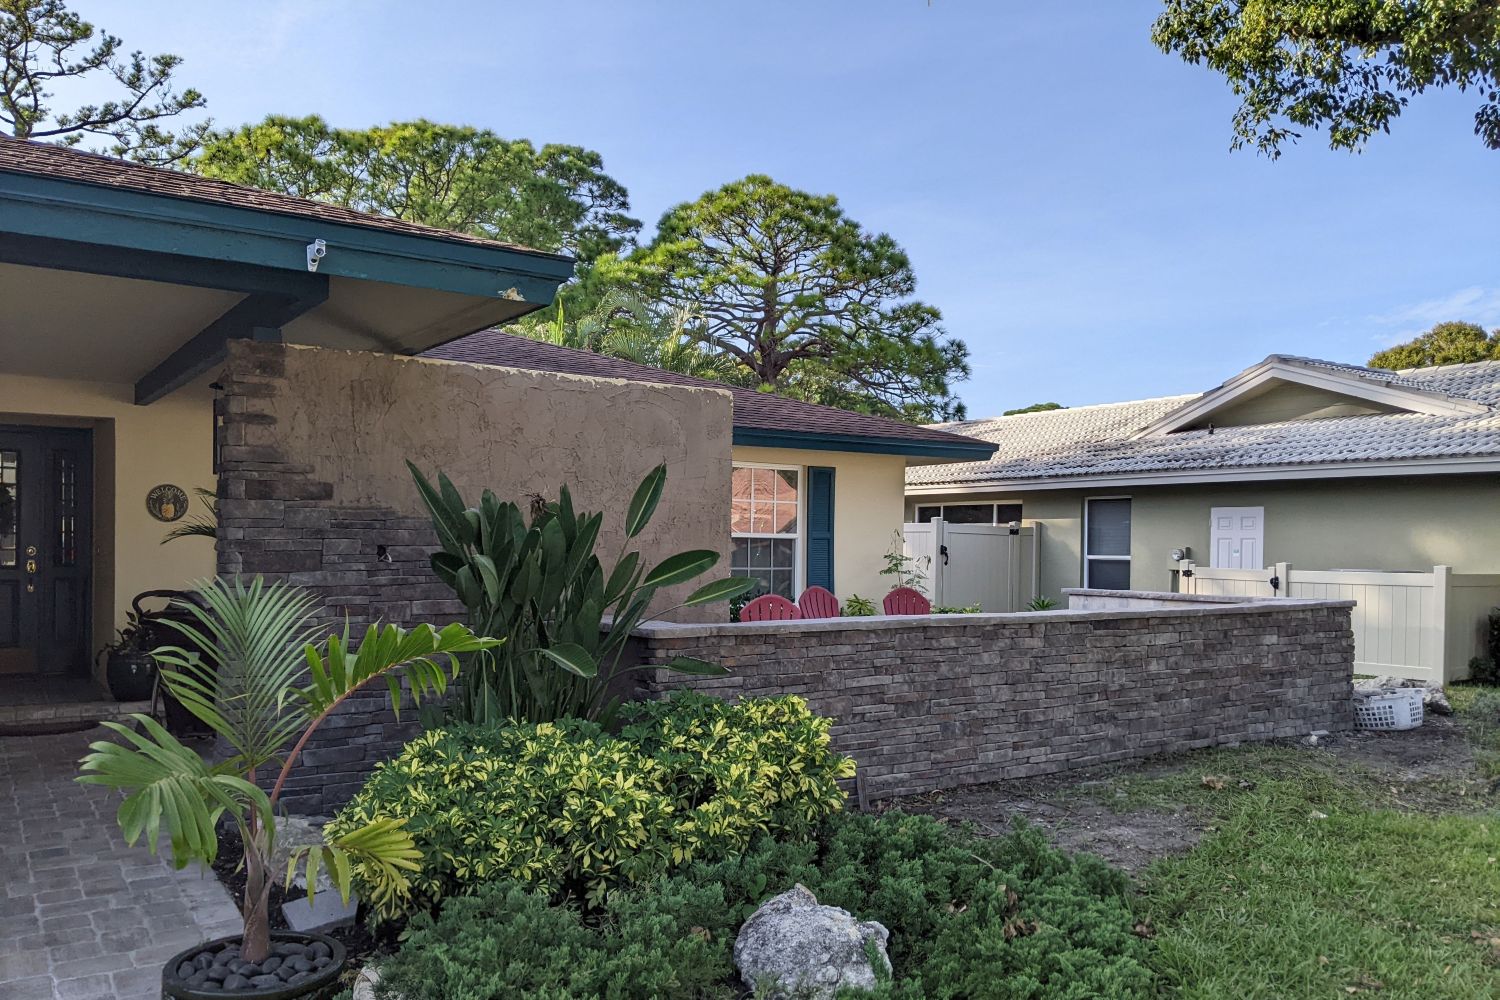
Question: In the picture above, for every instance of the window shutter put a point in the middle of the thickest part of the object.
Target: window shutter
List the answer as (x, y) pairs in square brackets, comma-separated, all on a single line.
[(820, 527)]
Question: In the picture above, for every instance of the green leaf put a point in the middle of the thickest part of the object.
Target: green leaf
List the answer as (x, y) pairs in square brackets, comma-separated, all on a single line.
[(696, 667), (573, 658), (681, 567), (720, 590), (643, 504)]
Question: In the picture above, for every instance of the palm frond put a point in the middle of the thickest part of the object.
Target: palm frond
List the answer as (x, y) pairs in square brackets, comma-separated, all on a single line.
[(384, 850), (169, 783), (254, 635)]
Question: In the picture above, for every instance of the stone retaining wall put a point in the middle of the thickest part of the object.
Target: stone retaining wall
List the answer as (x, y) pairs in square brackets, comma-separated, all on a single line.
[(942, 701)]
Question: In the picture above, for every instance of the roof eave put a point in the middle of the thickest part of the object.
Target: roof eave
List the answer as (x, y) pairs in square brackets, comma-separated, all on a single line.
[(1448, 465), (957, 450), (37, 205)]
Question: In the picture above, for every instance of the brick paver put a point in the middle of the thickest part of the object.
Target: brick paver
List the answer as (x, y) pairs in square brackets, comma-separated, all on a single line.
[(83, 916)]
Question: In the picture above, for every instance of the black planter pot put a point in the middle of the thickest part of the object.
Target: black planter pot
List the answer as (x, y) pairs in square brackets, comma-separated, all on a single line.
[(130, 675), (323, 984)]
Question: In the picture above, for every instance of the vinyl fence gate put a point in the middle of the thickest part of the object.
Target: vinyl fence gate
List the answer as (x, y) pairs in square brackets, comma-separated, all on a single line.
[(992, 566), (1423, 626)]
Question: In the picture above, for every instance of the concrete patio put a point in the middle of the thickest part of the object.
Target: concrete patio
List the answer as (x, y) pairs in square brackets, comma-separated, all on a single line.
[(83, 916)]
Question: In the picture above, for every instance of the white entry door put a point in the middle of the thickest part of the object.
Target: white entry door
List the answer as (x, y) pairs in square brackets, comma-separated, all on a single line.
[(1237, 537)]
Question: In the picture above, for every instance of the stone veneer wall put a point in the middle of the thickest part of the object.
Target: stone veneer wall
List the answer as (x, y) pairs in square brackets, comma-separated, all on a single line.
[(313, 490), (941, 701)]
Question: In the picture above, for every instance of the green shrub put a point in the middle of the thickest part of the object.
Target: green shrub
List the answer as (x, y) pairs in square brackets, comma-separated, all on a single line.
[(509, 941), (1007, 918), (565, 808)]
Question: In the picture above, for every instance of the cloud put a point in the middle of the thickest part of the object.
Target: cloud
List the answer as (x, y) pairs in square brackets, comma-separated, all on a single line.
[(1473, 305)]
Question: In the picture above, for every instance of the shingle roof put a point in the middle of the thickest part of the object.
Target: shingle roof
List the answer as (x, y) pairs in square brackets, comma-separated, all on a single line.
[(26, 157), (1090, 442), (752, 409)]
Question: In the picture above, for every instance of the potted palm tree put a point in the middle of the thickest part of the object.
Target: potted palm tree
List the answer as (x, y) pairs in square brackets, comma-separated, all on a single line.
[(263, 687)]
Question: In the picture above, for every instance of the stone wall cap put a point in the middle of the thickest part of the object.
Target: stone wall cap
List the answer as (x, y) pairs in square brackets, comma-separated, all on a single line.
[(1190, 609)]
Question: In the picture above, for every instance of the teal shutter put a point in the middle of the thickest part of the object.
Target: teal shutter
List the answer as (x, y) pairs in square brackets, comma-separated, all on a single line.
[(819, 532)]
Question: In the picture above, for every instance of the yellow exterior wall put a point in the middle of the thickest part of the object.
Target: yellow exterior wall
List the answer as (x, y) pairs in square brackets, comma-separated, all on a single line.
[(135, 448), (868, 509), (1387, 523)]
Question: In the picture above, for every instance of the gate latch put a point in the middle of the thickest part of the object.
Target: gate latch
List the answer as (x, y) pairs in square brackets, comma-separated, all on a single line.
[(943, 551)]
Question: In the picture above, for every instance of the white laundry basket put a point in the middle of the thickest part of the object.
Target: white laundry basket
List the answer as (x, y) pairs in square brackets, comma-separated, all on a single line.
[(1388, 708)]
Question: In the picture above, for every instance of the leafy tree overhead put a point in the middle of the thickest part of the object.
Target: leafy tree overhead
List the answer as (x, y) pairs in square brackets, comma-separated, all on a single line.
[(1348, 66), (1444, 344), (47, 47), (555, 198), (1034, 408), (804, 299)]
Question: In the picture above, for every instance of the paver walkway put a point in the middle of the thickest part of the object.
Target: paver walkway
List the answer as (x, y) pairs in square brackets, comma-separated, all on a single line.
[(82, 916)]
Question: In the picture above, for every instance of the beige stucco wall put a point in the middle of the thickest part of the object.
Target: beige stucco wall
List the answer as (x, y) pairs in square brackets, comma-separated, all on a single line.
[(867, 513), (135, 448), (1387, 523), (356, 418)]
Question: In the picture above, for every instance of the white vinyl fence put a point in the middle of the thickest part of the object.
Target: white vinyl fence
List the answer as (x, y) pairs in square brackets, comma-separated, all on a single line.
[(992, 566), (1424, 626)]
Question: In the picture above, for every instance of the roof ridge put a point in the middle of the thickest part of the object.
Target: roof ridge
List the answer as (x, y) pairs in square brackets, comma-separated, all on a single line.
[(1070, 409)]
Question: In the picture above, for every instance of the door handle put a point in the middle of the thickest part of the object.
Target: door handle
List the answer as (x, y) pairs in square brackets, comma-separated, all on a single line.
[(30, 575)]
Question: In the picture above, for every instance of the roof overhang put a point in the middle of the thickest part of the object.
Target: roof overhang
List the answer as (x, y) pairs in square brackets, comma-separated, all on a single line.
[(1457, 465), (933, 451), (163, 260), (1280, 369)]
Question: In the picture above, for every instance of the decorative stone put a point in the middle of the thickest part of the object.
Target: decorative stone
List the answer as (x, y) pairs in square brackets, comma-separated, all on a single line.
[(265, 982), (293, 832), (793, 946), (365, 983), (236, 982), (326, 912)]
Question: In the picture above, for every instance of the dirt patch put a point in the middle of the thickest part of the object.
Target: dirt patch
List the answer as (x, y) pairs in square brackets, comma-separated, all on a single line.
[(1430, 769)]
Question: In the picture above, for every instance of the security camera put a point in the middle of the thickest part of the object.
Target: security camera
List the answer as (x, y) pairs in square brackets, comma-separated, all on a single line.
[(316, 251)]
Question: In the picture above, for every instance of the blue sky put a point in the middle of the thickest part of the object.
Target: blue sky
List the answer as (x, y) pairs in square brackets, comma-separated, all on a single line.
[(1065, 190)]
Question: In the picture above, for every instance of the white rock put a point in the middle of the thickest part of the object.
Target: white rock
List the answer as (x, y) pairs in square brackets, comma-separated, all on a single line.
[(792, 946)]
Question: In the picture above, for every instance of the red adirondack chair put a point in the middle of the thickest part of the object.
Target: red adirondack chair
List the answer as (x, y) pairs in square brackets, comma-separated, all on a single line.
[(818, 602), (770, 608), (905, 601)]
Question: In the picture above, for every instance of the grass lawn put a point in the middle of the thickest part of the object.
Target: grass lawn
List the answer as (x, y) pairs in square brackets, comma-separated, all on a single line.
[(1320, 877)]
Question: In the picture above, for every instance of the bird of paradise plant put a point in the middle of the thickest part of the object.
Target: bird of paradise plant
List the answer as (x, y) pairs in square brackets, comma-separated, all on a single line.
[(263, 687)]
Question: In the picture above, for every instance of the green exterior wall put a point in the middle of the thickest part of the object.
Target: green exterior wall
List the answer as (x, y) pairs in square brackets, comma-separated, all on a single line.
[(1390, 523)]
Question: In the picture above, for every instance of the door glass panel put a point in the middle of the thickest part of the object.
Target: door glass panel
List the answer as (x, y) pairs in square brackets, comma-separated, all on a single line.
[(10, 505), (66, 531)]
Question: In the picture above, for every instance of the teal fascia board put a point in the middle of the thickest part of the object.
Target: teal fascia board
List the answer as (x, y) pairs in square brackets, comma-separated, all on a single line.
[(33, 205), (957, 451)]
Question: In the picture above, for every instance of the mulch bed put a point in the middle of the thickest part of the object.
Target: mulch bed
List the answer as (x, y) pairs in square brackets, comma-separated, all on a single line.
[(359, 941)]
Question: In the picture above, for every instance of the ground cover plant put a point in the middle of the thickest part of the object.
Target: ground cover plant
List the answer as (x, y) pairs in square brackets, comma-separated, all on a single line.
[(572, 810), (1005, 918)]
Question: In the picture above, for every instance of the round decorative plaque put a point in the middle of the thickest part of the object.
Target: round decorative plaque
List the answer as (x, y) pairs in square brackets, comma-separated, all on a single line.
[(167, 502)]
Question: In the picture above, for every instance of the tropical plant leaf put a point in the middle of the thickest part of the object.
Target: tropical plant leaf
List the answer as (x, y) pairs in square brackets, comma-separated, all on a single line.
[(643, 504), (680, 567), (726, 589), (573, 658)]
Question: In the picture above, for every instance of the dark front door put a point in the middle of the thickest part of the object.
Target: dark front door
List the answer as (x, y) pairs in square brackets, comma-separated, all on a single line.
[(45, 522)]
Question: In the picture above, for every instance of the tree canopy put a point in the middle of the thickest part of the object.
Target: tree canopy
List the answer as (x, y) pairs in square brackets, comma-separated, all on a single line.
[(804, 299), (47, 47), (555, 198), (1445, 344), (1348, 66), (1034, 408)]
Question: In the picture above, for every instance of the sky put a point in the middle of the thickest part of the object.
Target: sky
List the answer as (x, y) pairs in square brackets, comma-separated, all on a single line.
[(1067, 192)]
